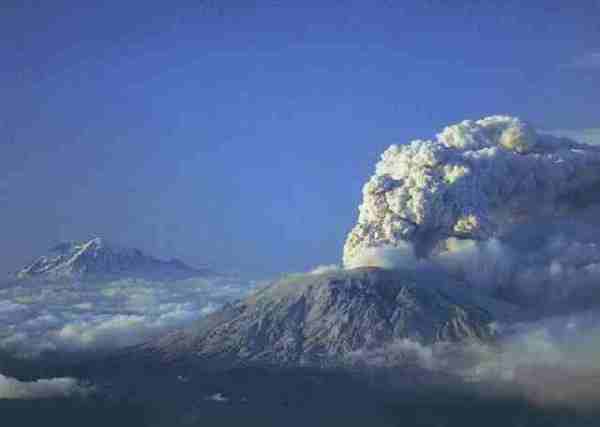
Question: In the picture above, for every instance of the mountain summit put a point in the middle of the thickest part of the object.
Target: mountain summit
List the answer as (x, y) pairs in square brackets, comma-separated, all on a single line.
[(97, 259), (318, 319)]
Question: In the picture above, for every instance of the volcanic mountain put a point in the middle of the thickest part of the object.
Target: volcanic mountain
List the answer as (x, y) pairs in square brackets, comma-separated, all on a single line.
[(96, 260), (318, 319), (455, 213)]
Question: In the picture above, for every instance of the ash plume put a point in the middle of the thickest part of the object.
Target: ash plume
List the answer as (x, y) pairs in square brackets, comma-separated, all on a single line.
[(489, 200)]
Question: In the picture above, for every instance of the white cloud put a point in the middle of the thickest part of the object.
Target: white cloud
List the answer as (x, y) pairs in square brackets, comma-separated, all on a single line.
[(554, 360), (386, 256), (551, 361), (218, 397), (37, 317), (11, 388), (402, 352), (326, 268)]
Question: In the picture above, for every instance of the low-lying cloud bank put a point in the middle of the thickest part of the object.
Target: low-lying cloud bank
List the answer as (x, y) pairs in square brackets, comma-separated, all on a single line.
[(11, 388), (552, 361), (38, 317)]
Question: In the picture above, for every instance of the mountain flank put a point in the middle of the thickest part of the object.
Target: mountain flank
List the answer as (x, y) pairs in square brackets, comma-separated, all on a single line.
[(318, 319), (96, 259)]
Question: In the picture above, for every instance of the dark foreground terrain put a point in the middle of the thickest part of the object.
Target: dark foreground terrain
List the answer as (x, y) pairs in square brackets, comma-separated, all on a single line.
[(141, 393)]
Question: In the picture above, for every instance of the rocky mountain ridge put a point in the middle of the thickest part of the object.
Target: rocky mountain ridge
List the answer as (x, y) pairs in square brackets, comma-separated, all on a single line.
[(319, 319), (97, 259)]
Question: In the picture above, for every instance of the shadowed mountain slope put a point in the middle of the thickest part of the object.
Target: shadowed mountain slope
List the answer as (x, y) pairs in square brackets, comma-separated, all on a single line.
[(318, 319)]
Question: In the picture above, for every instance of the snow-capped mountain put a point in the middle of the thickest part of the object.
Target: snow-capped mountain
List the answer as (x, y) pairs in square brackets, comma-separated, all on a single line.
[(97, 259), (320, 319)]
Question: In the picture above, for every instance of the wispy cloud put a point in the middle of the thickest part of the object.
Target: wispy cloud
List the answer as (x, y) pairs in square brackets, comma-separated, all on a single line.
[(587, 136)]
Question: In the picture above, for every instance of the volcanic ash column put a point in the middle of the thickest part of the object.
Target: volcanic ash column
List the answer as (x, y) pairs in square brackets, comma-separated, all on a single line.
[(473, 181)]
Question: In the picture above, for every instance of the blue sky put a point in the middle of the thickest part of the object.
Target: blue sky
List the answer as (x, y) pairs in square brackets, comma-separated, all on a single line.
[(239, 134)]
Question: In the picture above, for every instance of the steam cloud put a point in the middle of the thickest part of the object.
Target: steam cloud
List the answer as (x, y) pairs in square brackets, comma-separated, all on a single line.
[(491, 201)]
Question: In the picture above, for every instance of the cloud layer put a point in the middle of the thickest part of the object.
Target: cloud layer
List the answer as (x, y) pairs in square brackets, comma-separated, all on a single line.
[(551, 361), (36, 317), (11, 388)]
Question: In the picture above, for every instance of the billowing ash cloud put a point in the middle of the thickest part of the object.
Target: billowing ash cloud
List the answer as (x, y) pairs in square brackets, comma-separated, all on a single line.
[(491, 200), (37, 317), (474, 181), (11, 388)]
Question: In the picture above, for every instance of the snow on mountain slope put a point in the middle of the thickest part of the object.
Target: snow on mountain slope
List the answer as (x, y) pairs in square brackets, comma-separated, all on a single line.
[(320, 318), (96, 259)]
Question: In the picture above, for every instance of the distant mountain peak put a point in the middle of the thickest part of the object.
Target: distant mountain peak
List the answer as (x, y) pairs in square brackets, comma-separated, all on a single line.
[(96, 258)]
